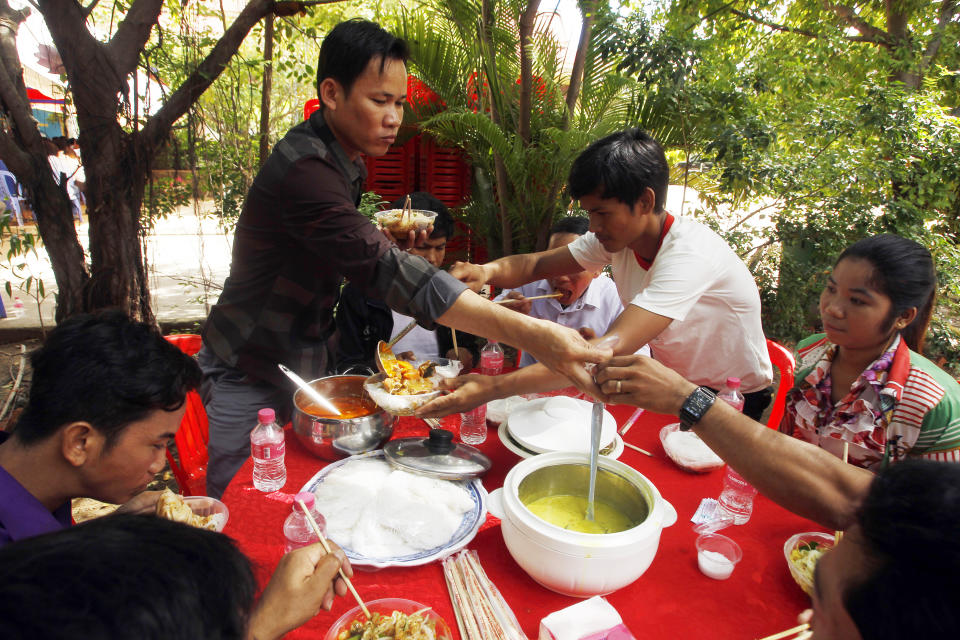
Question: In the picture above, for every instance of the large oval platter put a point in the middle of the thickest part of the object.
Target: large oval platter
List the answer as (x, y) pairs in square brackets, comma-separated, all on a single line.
[(462, 536)]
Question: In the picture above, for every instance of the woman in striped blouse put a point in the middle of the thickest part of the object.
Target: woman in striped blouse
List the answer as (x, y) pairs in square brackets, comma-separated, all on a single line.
[(863, 381)]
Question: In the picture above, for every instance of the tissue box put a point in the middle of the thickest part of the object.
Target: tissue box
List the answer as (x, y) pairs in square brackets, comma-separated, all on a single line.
[(592, 619)]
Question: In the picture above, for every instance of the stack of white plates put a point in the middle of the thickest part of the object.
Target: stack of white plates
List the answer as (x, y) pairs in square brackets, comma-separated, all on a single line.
[(558, 423)]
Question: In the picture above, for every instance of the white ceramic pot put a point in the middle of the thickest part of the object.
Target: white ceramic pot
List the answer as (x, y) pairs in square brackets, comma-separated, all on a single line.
[(569, 562)]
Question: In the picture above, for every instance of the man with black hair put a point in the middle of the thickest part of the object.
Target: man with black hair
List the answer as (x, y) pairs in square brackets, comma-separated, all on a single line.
[(589, 301), (687, 293), (300, 234), (106, 398), (127, 576), (363, 321)]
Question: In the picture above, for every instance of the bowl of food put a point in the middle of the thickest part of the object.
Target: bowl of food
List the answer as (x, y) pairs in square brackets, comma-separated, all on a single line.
[(400, 222), (542, 507), (400, 400), (802, 552), (418, 621), (687, 450), (202, 512), (361, 426)]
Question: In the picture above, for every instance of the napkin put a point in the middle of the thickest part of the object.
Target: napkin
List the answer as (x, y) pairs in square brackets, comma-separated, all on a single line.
[(592, 619)]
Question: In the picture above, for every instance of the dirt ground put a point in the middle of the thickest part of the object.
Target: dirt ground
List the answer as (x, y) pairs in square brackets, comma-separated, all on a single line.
[(11, 360)]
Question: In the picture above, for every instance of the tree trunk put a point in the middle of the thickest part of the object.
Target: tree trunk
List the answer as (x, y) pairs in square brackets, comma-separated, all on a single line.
[(115, 195), (267, 89), (588, 8), (527, 20)]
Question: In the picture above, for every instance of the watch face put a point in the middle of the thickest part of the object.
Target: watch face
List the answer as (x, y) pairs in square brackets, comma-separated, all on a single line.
[(696, 404)]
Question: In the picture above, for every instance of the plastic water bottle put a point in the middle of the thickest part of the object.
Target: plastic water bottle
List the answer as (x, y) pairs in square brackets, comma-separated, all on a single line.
[(737, 495), (731, 394), (17, 308), (297, 531), (473, 425), (268, 448), (491, 359)]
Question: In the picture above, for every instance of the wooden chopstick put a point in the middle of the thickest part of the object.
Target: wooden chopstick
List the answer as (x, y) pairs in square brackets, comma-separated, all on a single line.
[(635, 448), (506, 300), (323, 541), (797, 631), (630, 421), (837, 535)]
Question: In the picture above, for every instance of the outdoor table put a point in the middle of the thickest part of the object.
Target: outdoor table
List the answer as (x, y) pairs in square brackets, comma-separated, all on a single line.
[(671, 600)]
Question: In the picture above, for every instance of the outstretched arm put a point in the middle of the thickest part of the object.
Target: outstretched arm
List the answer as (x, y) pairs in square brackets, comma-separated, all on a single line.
[(517, 270), (797, 475)]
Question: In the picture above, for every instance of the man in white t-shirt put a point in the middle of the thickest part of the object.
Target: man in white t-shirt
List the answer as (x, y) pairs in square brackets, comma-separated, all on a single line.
[(687, 294), (589, 302)]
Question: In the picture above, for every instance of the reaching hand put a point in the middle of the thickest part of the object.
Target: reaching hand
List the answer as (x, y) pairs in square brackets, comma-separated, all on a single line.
[(564, 351), (518, 302), (643, 382), (468, 392), (305, 581), (144, 502), (412, 239), (473, 275)]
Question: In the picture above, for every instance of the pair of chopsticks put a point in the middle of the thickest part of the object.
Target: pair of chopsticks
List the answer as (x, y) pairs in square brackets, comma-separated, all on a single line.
[(323, 541), (548, 295), (799, 632), (626, 427), (407, 209)]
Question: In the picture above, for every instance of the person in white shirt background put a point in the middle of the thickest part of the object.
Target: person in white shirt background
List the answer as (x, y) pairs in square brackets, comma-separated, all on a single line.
[(590, 302), (689, 296)]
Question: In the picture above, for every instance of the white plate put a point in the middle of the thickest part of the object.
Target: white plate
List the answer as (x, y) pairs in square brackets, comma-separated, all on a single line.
[(512, 445), (462, 536), (558, 423)]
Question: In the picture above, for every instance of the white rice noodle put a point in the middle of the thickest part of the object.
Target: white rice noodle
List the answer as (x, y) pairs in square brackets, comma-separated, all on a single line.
[(380, 512)]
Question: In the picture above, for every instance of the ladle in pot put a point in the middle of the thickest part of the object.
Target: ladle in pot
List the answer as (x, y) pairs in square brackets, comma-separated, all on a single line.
[(596, 423), (315, 395)]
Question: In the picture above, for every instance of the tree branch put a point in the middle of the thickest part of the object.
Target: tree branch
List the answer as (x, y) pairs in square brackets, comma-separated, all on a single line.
[(948, 9), (158, 126), (132, 34), (14, 157), (773, 25), (527, 19), (90, 7), (13, 91), (869, 32)]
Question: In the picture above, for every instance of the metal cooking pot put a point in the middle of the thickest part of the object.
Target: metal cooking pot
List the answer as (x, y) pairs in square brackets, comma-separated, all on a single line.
[(336, 438)]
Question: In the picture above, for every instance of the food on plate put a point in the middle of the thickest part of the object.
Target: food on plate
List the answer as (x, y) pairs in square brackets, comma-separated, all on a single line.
[(569, 512), (397, 625), (804, 559), (403, 378), (400, 221), (377, 511), (172, 507), (350, 407)]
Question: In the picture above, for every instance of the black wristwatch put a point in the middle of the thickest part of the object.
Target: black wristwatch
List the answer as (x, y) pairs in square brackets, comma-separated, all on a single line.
[(695, 406)]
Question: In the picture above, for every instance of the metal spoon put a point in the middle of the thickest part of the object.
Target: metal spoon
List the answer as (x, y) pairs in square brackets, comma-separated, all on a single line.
[(315, 395), (596, 423)]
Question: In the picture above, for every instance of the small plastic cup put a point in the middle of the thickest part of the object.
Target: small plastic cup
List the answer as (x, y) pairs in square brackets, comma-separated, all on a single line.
[(717, 555)]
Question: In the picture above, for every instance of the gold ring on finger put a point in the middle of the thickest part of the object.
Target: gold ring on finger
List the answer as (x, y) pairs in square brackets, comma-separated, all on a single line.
[(619, 384)]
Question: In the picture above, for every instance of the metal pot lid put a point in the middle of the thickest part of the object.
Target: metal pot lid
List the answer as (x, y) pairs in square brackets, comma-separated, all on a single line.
[(437, 457)]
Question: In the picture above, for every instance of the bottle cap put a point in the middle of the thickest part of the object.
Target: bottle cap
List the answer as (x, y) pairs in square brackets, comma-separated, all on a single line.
[(733, 383), (306, 497), (266, 416)]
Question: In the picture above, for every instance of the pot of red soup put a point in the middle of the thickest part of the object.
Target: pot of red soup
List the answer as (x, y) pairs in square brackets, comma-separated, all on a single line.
[(361, 426)]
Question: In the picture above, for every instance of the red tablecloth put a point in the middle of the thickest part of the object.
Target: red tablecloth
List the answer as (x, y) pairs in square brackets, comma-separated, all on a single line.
[(671, 600)]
